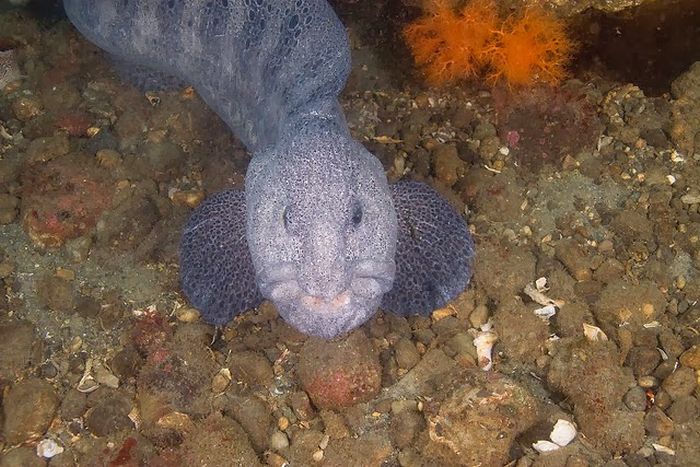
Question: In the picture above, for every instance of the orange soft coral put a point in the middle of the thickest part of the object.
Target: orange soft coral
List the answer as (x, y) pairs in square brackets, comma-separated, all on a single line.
[(531, 48), (449, 45)]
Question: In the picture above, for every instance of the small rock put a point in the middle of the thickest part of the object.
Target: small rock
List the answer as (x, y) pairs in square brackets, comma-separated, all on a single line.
[(47, 148), (187, 314), (684, 410), (691, 357), (278, 441), (189, 198), (251, 368), (448, 166), (8, 208), (73, 405), (657, 423), (217, 440), (680, 383), (78, 249), (108, 158), (26, 107), (56, 293), (334, 424), (110, 415), (28, 407), (404, 427), (643, 360), (22, 456), (406, 354), (301, 405), (574, 259), (635, 399), (19, 349), (479, 316), (254, 416)]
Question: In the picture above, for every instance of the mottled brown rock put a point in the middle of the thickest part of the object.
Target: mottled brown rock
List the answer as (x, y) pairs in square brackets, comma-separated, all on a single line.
[(28, 408), (19, 349), (474, 418)]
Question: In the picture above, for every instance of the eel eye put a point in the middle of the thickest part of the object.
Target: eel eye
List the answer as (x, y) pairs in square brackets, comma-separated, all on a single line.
[(356, 215)]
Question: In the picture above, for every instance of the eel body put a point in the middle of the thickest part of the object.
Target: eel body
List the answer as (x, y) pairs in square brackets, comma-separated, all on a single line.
[(318, 230)]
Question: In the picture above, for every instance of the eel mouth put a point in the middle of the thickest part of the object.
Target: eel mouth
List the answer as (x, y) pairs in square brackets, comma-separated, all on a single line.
[(328, 316)]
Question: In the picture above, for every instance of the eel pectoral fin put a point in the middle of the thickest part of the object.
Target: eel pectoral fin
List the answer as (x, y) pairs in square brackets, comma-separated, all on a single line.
[(434, 251), (216, 269)]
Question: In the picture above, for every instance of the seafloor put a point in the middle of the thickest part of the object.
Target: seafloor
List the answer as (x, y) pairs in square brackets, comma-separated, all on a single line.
[(593, 186)]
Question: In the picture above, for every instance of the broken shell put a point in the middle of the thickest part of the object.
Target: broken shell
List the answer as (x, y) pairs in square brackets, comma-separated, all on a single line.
[(484, 344), (87, 383), (546, 312), (318, 455), (283, 423), (563, 433), (664, 449), (48, 448), (543, 446), (594, 333)]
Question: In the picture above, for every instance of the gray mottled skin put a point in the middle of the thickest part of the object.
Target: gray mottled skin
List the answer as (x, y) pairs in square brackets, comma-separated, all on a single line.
[(318, 230)]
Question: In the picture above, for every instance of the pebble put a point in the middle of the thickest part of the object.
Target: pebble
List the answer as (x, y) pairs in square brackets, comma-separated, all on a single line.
[(643, 360), (447, 164), (334, 424), (691, 357), (110, 414), (56, 293), (279, 441), (685, 409), (254, 416), (657, 423), (8, 208), (479, 316), (406, 354), (635, 399), (28, 408), (301, 405), (570, 253), (78, 249), (19, 348), (47, 148), (647, 382), (283, 423), (189, 198), (681, 382), (108, 158), (26, 107), (187, 314)]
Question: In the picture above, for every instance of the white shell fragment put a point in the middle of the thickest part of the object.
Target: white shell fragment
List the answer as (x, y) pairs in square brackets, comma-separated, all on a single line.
[(546, 312), (664, 449), (563, 433), (536, 295), (483, 342), (545, 446), (594, 333), (48, 448)]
